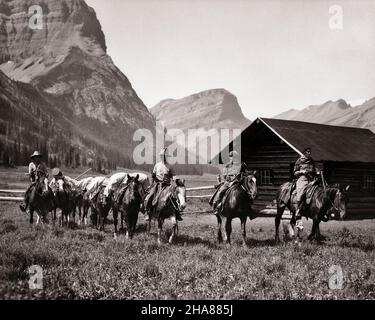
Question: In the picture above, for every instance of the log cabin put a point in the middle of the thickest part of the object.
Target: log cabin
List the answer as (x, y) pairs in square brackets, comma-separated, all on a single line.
[(346, 155)]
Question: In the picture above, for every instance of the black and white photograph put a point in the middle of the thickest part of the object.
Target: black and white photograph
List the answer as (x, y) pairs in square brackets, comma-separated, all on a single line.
[(194, 151)]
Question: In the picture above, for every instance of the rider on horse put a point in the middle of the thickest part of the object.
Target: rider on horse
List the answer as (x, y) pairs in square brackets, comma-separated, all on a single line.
[(162, 175), (305, 172), (37, 172), (231, 174)]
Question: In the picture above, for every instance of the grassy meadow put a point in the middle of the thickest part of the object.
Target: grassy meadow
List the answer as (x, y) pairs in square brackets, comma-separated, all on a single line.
[(80, 262)]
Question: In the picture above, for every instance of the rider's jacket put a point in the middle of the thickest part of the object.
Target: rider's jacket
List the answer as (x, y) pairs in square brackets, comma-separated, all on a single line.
[(305, 167), (32, 171), (232, 170)]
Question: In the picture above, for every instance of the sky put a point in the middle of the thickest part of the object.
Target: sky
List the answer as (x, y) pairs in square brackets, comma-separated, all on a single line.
[(273, 55)]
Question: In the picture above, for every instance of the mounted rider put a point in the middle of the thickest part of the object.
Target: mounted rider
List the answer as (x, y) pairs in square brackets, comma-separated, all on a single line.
[(162, 176), (37, 172), (306, 173), (231, 174)]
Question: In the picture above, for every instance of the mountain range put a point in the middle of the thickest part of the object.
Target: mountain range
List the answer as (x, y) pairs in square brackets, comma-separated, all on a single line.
[(338, 113)]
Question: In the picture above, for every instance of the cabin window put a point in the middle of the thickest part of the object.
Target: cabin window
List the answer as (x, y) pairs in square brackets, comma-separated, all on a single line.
[(369, 182), (265, 176)]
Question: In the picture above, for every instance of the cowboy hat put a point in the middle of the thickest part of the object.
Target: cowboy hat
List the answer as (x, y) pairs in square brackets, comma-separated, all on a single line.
[(56, 172), (35, 155)]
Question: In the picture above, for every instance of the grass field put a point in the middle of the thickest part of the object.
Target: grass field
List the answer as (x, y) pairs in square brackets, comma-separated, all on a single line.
[(82, 263)]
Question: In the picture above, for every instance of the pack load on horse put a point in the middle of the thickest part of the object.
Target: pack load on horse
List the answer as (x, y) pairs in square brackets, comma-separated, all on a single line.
[(166, 198), (115, 189), (234, 197), (162, 175), (38, 196), (90, 199), (306, 197), (119, 180), (67, 195)]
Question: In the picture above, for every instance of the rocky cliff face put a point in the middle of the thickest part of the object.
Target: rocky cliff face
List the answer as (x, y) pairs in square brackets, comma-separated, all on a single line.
[(216, 108), (67, 63), (338, 113)]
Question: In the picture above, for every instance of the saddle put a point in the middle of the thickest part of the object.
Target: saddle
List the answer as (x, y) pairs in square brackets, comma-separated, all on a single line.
[(227, 193), (308, 194)]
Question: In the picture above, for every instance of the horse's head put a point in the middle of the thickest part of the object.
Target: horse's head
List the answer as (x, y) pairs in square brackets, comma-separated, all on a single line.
[(249, 183), (60, 185), (339, 202), (133, 192), (180, 194), (42, 187)]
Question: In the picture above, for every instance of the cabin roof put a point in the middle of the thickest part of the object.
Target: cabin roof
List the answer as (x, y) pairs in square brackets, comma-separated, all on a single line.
[(328, 143)]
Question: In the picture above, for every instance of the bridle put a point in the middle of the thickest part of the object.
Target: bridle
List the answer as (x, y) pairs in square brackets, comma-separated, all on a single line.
[(174, 200), (242, 178), (336, 209)]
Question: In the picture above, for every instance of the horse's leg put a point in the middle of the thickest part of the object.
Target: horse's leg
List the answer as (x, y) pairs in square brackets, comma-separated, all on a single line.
[(122, 220), (149, 227), (128, 226), (31, 215), (54, 216), (79, 213), (228, 229), (312, 235), (174, 228), (68, 218), (160, 228), (219, 233), (115, 221), (280, 211), (243, 227), (37, 218)]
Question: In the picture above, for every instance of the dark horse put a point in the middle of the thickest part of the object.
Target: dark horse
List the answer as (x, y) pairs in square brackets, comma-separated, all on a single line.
[(64, 200), (172, 199), (332, 200), (237, 204), (128, 201), (41, 200), (100, 207)]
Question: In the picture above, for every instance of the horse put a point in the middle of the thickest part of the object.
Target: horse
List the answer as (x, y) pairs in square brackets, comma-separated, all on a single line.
[(64, 200), (41, 200), (85, 202), (324, 201), (100, 207), (171, 200), (128, 202), (237, 204)]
